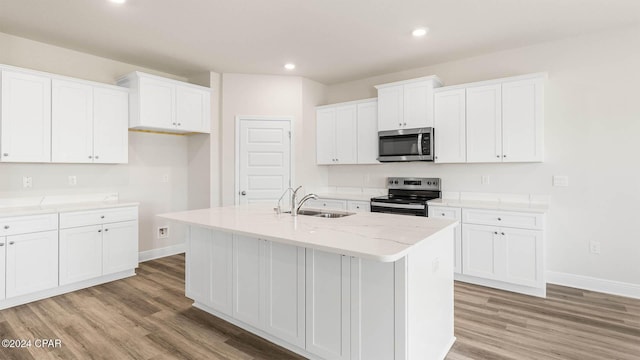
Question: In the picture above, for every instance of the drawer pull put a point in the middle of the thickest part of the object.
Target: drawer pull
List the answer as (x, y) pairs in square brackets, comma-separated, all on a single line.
[(6, 227)]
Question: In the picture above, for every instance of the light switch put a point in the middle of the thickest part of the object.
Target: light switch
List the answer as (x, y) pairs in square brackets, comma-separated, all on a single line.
[(560, 180), (27, 182)]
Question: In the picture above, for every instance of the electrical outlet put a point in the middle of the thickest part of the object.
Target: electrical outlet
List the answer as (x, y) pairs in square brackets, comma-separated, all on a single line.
[(594, 247), (560, 180), (27, 182), (485, 180), (163, 232), (164, 178), (72, 180)]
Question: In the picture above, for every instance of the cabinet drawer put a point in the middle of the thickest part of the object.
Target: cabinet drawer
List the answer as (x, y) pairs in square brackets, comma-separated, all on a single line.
[(28, 224), (358, 206), (97, 217), (445, 213), (327, 204), (521, 220)]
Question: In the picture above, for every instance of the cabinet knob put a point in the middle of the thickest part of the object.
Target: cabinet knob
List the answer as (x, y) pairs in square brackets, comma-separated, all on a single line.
[(495, 233), (5, 154), (504, 155), (442, 214), (499, 219), (399, 124), (97, 157), (174, 124), (105, 230), (1, 244), (501, 233), (6, 227), (498, 156), (243, 193), (100, 230), (11, 242), (179, 124), (436, 157), (90, 157), (102, 217), (404, 124)]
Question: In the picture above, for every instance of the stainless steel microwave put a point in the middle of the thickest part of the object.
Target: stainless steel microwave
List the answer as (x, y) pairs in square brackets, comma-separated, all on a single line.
[(405, 145)]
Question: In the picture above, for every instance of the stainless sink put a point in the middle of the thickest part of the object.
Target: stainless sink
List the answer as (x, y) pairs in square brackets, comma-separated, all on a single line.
[(324, 213)]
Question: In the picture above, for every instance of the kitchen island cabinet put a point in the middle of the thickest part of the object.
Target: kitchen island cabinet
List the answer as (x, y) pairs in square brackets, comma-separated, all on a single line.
[(364, 286)]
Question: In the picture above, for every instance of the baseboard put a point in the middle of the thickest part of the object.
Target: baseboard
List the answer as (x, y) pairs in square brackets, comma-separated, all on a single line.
[(161, 252), (594, 284)]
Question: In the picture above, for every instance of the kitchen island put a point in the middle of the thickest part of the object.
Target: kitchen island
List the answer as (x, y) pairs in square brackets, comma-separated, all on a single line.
[(365, 286)]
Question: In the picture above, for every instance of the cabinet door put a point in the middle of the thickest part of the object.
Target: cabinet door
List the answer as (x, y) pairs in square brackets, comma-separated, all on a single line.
[(25, 124), (119, 247), (451, 214), (193, 109), (390, 108), (111, 122), (358, 206), (346, 135), (418, 109), (3, 260), (522, 121), (285, 292), (198, 265), (80, 254), (367, 129), (328, 304), (32, 263), (157, 103), (484, 124), (450, 126), (325, 136), (222, 272), (523, 265), (326, 204), (483, 251), (71, 122), (248, 281)]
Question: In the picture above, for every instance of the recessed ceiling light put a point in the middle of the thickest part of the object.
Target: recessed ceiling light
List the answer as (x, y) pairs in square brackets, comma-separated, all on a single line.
[(419, 32), (289, 66), (118, 1)]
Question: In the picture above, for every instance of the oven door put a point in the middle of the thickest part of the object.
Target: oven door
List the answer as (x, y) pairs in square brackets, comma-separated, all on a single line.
[(415, 209), (405, 145)]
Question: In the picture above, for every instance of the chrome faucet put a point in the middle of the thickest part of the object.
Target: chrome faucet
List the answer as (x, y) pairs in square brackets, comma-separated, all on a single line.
[(303, 200)]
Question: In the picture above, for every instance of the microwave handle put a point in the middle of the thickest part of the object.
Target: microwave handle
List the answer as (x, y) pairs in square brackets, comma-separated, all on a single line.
[(420, 144)]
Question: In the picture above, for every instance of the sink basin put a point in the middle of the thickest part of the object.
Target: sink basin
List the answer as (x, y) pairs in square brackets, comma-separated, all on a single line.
[(325, 213)]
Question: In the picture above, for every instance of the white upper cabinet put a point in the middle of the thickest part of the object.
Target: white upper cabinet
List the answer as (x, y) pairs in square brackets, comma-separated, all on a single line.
[(406, 104), (368, 133), (347, 133), (484, 124), (167, 105), (491, 121), (25, 123), (450, 125), (89, 123), (523, 120), (110, 126)]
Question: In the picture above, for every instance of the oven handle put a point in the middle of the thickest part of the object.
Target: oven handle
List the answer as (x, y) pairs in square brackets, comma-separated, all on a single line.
[(398, 206)]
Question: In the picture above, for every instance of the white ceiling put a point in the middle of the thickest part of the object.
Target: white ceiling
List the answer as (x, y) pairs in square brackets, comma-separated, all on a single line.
[(329, 40)]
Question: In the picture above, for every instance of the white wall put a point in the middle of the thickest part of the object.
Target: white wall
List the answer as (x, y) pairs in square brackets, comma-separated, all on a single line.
[(150, 155), (592, 122), (269, 95)]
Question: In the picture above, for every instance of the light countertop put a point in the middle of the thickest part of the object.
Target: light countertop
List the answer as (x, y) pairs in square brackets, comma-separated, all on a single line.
[(374, 236), (491, 205), (61, 208)]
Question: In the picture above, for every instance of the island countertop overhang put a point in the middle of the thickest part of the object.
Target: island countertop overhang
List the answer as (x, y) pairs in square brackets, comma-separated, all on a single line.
[(373, 236)]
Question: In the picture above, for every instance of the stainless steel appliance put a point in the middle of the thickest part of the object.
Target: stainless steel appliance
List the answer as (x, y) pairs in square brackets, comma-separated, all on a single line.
[(407, 196), (405, 145)]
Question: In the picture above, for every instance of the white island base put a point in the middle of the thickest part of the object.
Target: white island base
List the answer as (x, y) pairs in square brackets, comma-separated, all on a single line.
[(324, 305)]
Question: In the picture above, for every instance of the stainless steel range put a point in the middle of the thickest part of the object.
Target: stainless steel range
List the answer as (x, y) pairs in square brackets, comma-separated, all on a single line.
[(407, 196)]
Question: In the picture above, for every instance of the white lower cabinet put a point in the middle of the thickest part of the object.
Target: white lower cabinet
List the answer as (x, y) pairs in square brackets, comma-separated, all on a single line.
[(95, 243), (3, 264), (451, 214), (331, 204), (358, 206), (328, 304), (80, 254), (248, 262), (32, 263)]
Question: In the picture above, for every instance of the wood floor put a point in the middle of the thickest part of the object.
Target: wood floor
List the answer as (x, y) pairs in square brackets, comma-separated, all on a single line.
[(148, 317)]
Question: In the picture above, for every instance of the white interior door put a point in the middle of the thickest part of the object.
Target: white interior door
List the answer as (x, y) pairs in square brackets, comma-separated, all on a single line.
[(263, 160)]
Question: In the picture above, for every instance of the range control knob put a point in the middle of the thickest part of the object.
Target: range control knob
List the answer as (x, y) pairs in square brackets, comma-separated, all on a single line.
[(395, 182), (428, 182)]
